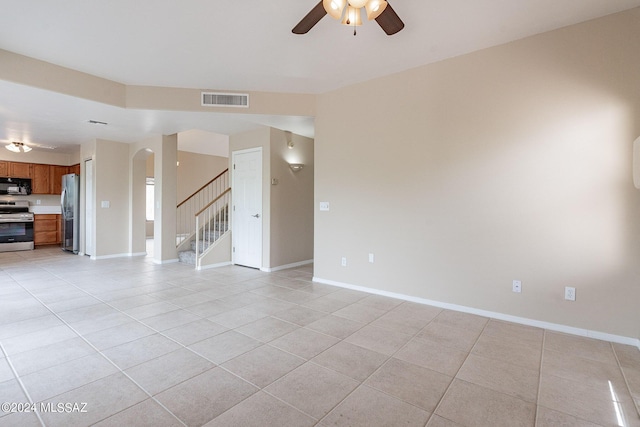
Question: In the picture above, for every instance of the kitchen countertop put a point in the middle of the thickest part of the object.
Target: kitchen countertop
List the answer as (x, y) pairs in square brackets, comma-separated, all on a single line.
[(45, 210)]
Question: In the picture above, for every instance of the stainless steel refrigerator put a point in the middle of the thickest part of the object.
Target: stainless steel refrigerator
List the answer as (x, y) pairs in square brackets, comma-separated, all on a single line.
[(70, 201)]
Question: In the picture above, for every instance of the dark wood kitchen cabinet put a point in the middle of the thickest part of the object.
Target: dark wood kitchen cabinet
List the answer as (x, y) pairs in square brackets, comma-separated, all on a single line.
[(4, 168)]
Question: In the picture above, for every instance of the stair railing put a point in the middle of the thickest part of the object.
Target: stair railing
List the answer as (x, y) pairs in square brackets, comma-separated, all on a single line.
[(212, 221), (192, 205)]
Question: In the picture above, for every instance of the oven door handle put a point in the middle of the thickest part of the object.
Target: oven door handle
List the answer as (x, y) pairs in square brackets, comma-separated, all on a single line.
[(6, 220)]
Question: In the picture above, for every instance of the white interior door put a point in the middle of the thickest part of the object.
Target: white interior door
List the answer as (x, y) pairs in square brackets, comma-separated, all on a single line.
[(247, 207)]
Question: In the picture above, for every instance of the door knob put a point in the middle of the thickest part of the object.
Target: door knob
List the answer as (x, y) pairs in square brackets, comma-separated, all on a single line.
[(256, 216)]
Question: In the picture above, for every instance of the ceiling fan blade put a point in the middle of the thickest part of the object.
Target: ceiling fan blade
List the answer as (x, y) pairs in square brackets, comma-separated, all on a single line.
[(312, 18), (390, 21)]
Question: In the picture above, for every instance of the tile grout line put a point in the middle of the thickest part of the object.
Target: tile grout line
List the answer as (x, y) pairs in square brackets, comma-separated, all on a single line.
[(22, 386), (104, 356), (624, 376), (268, 343), (162, 334), (581, 417), (362, 383), (544, 339), (315, 363), (457, 372)]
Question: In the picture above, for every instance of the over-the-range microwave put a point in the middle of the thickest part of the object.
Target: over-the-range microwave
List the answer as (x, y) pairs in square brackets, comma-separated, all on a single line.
[(15, 186)]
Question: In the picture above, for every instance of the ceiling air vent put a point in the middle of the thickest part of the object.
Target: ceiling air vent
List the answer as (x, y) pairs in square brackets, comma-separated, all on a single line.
[(216, 99)]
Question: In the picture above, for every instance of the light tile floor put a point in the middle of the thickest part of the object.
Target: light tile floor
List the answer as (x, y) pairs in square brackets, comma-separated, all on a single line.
[(142, 344)]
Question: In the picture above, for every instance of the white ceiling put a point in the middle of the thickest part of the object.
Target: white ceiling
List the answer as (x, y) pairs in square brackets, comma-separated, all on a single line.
[(237, 45)]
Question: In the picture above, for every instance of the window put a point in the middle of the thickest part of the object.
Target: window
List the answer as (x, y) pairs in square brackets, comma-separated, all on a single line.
[(150, 199)]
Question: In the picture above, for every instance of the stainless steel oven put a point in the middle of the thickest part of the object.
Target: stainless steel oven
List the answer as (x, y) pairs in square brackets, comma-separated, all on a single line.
[(16, 226)]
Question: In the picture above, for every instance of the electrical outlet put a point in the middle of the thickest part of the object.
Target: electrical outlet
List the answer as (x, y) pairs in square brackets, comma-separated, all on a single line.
[(569, 293), (344, 261), (517, 286)]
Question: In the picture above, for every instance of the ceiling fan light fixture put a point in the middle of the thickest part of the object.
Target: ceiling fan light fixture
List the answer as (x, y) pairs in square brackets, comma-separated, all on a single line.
[(375, 8), (349, 12), (358, 3), (352, 17), (334, 7), (18, 147)]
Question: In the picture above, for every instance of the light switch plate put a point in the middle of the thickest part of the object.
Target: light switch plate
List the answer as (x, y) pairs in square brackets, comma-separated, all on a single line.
[(324, 206)]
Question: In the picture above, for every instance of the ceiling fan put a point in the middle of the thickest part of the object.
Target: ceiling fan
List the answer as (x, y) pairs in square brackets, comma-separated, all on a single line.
[(21, 147), (349, 12)]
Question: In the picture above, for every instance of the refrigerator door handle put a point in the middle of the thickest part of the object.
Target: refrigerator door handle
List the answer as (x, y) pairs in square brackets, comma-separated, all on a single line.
[(63, 195)]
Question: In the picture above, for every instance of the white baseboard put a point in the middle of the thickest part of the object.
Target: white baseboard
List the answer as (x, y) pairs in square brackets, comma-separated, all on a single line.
[(492, 314), (220, 264), (117, 255), (284, 267)]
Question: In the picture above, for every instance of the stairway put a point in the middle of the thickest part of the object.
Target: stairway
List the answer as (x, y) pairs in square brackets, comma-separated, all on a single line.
[(207, 237), (201, 220)]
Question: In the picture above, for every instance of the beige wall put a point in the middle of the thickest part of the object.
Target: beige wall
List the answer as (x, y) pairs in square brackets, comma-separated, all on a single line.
[(37, 156), (509, 163), (32, 72), (291, 200), (162, 150), (287, 208), (111, 165), (196, 170)]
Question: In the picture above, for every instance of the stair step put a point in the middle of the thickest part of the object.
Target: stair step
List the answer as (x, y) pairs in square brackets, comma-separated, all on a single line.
[(187, 257), (202, 246)]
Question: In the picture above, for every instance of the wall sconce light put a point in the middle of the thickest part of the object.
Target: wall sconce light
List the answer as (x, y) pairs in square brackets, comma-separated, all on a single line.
[(296, 167), (289, 137)]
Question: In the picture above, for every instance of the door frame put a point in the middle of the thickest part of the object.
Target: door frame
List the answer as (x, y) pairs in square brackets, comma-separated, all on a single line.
[(89, 208), (233, 201)]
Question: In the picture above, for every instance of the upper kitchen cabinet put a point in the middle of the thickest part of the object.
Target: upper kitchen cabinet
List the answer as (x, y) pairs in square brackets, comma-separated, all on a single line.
[(41, 182), (20, 170), (56, 178), (45, 179)]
